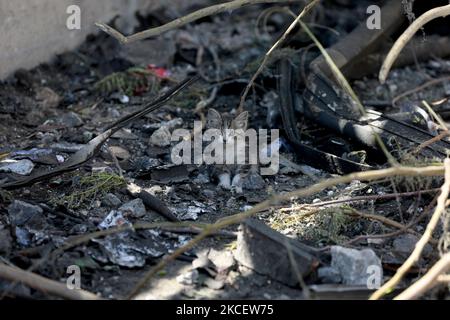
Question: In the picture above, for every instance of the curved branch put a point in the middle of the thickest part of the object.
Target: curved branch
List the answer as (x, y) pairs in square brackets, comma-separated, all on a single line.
[(407, 35)]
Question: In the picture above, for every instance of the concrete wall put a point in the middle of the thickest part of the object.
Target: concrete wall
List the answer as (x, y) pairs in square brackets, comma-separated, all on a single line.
[(33, 31)]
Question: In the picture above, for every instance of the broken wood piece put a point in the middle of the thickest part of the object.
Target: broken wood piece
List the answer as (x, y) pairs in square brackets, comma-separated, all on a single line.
[(268, 252)]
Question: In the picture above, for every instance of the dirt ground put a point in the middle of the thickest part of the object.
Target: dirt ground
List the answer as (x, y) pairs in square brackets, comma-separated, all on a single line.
[(63, 104)]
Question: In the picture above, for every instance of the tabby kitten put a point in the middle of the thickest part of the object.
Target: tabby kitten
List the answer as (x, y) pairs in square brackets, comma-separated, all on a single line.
[(230, 176)]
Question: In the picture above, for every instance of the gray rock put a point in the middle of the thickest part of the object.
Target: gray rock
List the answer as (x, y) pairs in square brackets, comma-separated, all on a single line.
[(405, 244), (253, 181), (120, 97), (111, 200), (265, 251), (201, 179), (354, 265), (71, 119), (134, 208), (21, 213), (329, 275), (161, 137), (208, 193), (23, 236), (48, 99), (22, 167)]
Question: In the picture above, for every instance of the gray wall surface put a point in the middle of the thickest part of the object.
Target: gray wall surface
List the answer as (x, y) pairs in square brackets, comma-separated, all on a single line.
[(33, 31)]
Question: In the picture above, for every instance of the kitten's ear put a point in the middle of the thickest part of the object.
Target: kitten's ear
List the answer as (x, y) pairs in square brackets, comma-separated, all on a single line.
[(241, 121), (213, 119)]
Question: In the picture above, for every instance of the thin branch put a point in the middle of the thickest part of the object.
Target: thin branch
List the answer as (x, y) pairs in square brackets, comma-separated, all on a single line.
[(428, 281), (358, 198), (177, 23), (415, 255), (407, 35), (43, 284)]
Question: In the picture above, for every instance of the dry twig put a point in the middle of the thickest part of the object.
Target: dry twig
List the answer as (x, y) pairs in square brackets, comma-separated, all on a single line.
[(177, 23)]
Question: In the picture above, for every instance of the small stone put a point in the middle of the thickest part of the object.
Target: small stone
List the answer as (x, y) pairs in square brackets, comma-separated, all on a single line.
[(406, 243), (20, 212), (188, 278), (21, 167), (329, 275), (253, 181), (353, 265), (161, 137), (145, 164), (119, 152), (201, 179), (134, 208), (71, 119), (48, 98), (124, 99), (113, 219), (111, 200), (87, 136), (120, 97)]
